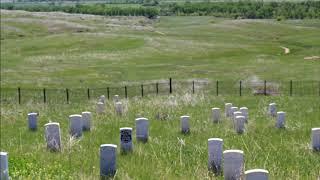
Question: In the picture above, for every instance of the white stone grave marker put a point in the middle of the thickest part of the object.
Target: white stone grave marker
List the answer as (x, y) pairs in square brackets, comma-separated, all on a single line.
[(4, 167), (239, 124), (100, 108), (227, 109), (185, 127), (232, 110), (142, 129), (102, 99), (119, 108), (86, 120), (257, 174), (281, 119), (233, 166), (126, 144), (32, 120), (315, 139), (53, 137), (216, 115), (272, 111), (215, 149), (108, 157), (75, 125), (116, 98), (245, 113)]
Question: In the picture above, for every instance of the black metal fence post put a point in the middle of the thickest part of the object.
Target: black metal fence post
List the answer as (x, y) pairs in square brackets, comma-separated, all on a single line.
[(67, 93), (88, 93), (44, 95), (265, 88), (217, 88), (290, 87), (141, 90), (125, 92), (19, 95), (240, 88), (108, 92), (192, 87), (170, 85), (157, 88)]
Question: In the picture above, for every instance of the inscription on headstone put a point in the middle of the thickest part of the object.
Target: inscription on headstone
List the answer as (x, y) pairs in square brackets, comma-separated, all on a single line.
[(126, 139)]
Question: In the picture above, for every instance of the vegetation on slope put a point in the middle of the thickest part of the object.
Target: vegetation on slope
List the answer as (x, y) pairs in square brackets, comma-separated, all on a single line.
[(241, 9)]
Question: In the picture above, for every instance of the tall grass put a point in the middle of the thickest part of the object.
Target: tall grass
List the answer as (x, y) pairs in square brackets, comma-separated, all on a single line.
[(169, 154)]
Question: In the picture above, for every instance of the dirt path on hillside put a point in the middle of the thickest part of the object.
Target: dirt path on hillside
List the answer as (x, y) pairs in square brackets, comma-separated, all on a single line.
[(286, 50), (312, 58)]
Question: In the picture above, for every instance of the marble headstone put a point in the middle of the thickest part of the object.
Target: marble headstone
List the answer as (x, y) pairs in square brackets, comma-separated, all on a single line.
[(126, 144), (232, 110), (100, 107), (142, 129), (215, 149), (281, 119), (75, 125), (185, 127), (52, 135), (119, 108), (233, 166), (245, 113), (227, 109), (4, 167), (86, 120), (116, 98), (239, 124), (216, 117), (108, 160), (32, 120), (257, 174), (315, 139), (102, 99), (272, 111)]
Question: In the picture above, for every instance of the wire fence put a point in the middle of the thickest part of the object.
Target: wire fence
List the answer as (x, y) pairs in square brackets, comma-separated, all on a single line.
[(217, 88)]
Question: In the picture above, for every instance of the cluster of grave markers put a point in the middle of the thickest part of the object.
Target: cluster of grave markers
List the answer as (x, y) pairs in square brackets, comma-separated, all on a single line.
[(233, 160)]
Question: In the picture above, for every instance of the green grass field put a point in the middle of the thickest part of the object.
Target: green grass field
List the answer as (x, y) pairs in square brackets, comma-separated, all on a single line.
[(85, 51), (58, 50)]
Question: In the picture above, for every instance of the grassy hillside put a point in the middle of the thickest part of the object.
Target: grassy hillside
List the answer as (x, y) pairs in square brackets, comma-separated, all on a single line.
[(59, 50), (64, 50)]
